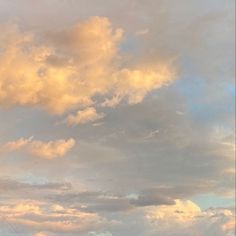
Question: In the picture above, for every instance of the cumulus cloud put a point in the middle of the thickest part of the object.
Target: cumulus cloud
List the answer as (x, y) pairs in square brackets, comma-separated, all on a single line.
[(84, 116), (71, 67), (181, 213), (47, 150), (186, 218)]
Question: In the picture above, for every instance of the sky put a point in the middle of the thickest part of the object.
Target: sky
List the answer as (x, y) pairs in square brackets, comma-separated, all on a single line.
[(117, 118)]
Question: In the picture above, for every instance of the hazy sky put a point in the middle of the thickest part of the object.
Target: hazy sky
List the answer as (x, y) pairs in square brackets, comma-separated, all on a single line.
[(117, 118)]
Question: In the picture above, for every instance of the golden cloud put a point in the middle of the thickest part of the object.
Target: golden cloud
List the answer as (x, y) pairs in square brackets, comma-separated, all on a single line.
[(47, 150), (45, 217), (52, 149), (71, 67), (84, 116)]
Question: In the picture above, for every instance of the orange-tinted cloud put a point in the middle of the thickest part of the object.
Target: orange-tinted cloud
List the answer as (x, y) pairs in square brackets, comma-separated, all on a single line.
[(47, 150), (84, 116), (42, 216), (71, 67)]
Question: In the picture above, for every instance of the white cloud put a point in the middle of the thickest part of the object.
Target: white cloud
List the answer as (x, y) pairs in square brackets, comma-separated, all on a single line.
[(186, 218)]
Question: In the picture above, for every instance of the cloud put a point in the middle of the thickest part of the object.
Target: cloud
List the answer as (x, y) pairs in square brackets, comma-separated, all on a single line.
[(151, 198), (71, 67), (68, 195), (15, 145), (40, 216), (181, 213), (100, 234), (108, 202), (9, 185), (183, 152), (136, 83), (42, 234), (47, 150), (84, 116), (51, 149), (142, 32), (229, 226), (186, 218), (159, 144), (64, 210), (183, 218)]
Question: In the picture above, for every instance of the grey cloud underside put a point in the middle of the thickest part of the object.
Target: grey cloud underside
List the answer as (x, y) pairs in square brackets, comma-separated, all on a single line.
[(123, 156), (180, 145), (14, 185), (139, 163), (154, 151), (124, 214), (64, 194)]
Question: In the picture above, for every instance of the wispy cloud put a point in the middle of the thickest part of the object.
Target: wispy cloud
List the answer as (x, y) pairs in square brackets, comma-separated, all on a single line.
[(47, 150)]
